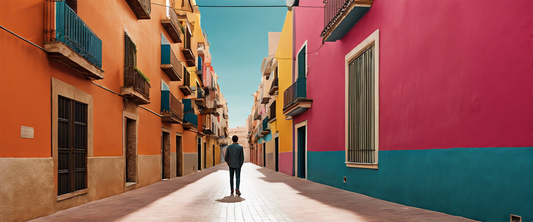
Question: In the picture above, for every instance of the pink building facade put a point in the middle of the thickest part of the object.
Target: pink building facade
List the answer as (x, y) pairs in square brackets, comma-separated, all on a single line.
[(452, 103)]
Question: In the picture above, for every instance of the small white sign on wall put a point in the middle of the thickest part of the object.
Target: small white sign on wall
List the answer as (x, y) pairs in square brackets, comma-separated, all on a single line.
[(26, 132)]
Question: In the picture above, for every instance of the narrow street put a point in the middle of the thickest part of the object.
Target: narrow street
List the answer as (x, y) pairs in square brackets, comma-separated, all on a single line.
[(266, 196)]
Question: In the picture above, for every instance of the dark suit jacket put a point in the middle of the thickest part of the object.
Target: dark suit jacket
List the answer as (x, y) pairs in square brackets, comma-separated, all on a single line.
[(234, 155)]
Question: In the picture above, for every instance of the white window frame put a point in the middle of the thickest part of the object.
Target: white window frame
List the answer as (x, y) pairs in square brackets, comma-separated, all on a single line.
[(372, 40)]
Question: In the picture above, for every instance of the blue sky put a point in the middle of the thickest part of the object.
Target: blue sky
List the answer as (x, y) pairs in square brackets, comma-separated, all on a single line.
[(239, 42)]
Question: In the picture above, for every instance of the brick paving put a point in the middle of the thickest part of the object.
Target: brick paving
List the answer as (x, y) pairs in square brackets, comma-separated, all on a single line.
[(266, 196)]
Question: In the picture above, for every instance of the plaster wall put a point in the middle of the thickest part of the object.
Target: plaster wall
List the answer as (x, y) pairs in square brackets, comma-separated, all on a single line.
[(149, 169), (190, 162), (106, 176), (443, 82), (284, 126), (449, 104), (26, 188)]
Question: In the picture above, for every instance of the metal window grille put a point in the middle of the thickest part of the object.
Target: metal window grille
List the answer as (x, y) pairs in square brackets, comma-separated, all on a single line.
[(72, 146), (361, 106), (132, 77), (130, 52)]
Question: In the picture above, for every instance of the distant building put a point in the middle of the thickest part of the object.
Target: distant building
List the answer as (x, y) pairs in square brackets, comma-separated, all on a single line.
[(242, 133)]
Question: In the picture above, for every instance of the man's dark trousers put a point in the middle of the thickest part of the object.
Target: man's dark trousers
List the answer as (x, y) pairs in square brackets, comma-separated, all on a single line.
[(235, 158), (237, 172)]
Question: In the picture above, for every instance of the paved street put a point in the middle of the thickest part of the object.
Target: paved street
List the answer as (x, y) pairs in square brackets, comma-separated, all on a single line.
[(266, 196)]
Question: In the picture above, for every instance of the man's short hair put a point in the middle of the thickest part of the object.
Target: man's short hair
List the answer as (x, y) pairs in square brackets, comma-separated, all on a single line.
[(235, 138)]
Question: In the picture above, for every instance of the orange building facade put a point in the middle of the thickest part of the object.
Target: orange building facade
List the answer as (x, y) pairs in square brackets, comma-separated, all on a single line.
[(99, 98)]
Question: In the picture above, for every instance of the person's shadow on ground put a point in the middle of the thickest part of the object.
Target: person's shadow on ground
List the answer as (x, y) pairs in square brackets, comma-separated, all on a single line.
[(231, 199)]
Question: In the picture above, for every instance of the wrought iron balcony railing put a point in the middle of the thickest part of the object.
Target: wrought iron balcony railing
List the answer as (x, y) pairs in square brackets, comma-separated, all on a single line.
[(273, 87), (185, 88), (264, 127), (136, 86), (268, 65), (190, 58), (272, 112), (341, 15), (65, 26), (298, 90), (170, 64), (171, 108), (173, 26)]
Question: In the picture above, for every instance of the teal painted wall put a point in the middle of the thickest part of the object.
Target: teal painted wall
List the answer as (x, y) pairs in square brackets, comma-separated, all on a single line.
[(486, 184), (265, 139)]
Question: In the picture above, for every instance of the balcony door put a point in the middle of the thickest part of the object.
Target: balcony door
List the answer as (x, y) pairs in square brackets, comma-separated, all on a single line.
[(300, 157), (199, 151), (165, 155), (179, 157), (276, 152)]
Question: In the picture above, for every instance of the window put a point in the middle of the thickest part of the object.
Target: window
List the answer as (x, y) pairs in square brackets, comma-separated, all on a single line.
[(72, 136), (72, 146), (362, 104), (130, 52)]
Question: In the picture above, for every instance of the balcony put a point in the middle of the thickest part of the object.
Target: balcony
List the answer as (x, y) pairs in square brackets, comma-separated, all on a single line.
[(199, 70), (268, 65), (170, 64), (70, 41), (190, 120), (295, 101), (141, 8), (257, 116), (136, 87), (273, 87), (264, 127), (265, 100), (212, 111), (190, 59), (200, 97), (341, 15), (208, 130), (171, 108), (173, 27), (272, 113), (218, 104), (185, 88), (210, 97), (201, 49), (210, 104)]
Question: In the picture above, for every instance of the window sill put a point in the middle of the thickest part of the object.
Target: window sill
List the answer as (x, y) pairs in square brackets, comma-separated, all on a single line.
[(363, 165), (73, 194)]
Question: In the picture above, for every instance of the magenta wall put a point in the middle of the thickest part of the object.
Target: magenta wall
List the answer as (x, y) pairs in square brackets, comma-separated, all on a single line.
[(452, 74), (285, 163)]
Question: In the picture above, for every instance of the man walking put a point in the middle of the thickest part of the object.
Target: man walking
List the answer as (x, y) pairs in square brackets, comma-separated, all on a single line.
[(235, 158)]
